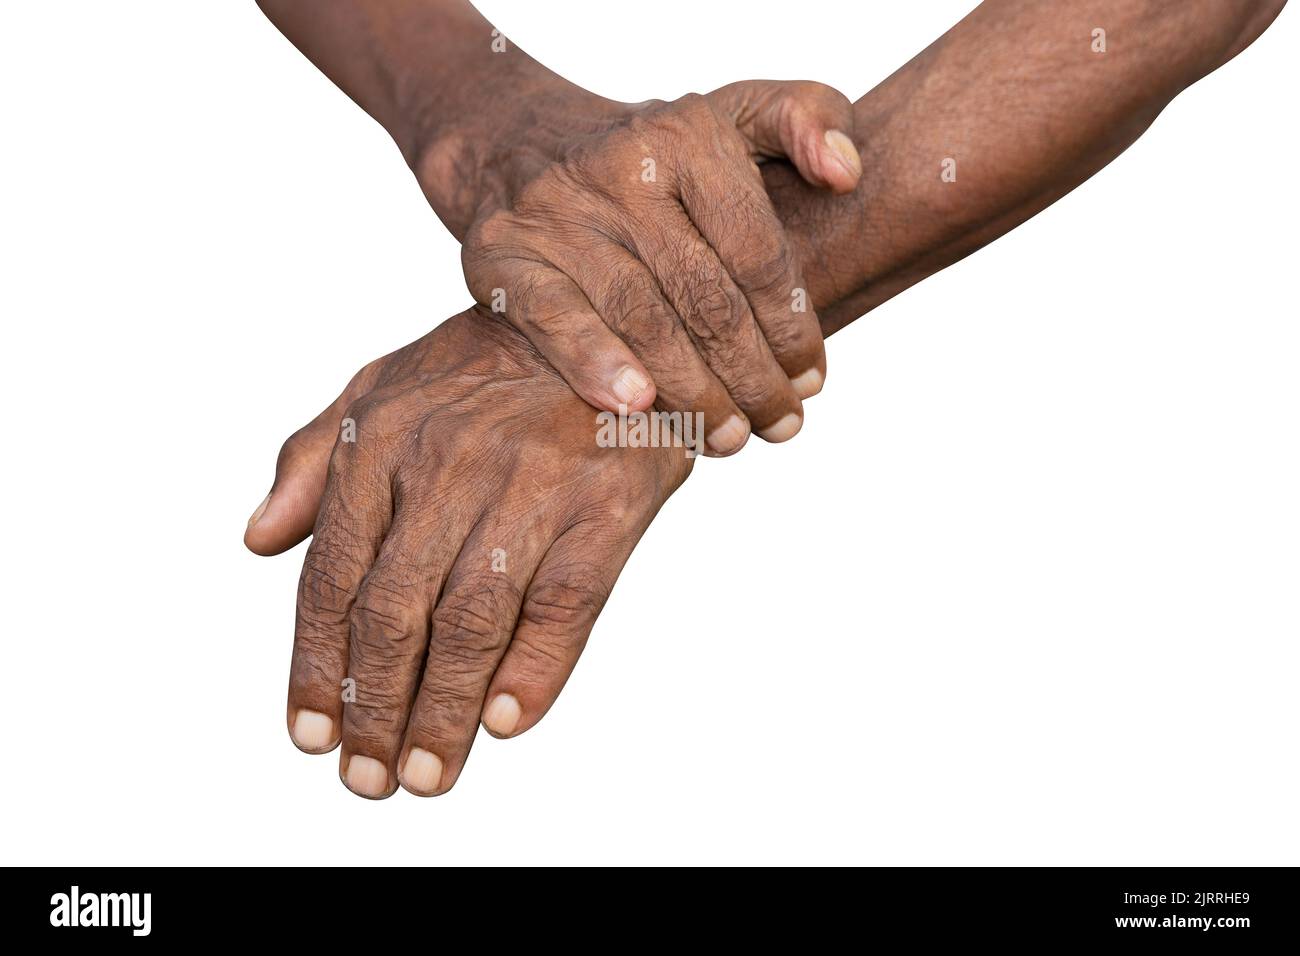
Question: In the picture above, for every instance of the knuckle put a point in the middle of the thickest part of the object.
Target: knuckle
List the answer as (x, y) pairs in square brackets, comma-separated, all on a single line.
[(374, 721), (481, 267), (444, 708), (690, 390), (326, 586), (764, 264), (806, 98), (379, 702), (384, 623), (381, 421), (634, 306), (754, 391), (431, 453), (496, 250), (590, 162), (365, 378), (694, 107), (717, 312), (545, 209), (293, 449), (537, 306), (541, 655), (687, 126), (493, 231), (794, 342), (471, 623), (667, 117), (568, 599), (365, 413), (786, 329), (387, 638), (343, 454), (318, 660)]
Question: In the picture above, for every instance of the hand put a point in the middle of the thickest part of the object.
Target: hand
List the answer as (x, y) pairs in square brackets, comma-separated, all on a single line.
[(468, 536), (645, 261), (633, 244)]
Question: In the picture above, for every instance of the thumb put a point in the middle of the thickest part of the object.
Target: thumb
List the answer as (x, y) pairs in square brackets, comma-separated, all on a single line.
[(287, 515), (811, 124)]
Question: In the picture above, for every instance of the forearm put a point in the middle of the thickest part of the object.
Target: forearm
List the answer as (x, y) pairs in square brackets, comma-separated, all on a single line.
[(994, 121), (1017, 108), (453, 93)]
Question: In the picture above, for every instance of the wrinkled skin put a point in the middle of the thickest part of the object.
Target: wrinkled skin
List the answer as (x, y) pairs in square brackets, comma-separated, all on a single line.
[(903, 224), (466, 541), (644, 260)]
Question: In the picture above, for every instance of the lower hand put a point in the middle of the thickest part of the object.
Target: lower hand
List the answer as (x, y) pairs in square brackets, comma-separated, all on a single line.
[(468, 536)]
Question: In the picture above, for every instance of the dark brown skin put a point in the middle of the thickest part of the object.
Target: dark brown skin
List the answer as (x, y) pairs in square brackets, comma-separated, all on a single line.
[(633, 244), (474, 529), (1037, 117), (690, 269)]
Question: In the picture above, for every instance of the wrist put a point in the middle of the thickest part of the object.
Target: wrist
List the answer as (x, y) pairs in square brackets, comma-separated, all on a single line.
[(478, 157)]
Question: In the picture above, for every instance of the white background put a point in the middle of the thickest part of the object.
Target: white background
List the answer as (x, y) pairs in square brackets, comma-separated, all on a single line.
[(1023, 591)]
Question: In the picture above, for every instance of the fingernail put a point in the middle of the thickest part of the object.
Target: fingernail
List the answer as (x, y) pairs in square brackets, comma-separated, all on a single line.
[(312, 730), (629, 384), (502, 715), (785, 429), (367, 776), (729, 436), (260, 510), (807, 384), (844, 149), (422, 771)]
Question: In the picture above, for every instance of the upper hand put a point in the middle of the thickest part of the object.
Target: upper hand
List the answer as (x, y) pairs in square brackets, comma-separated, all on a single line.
[(647, 265)]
